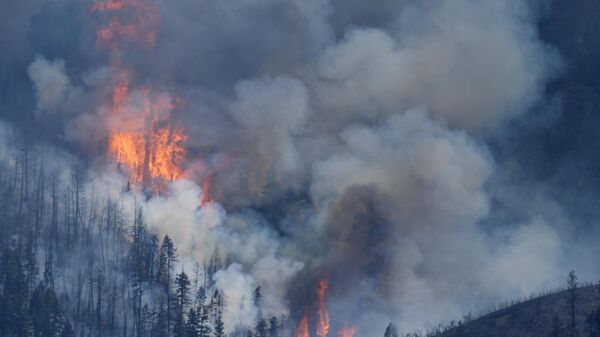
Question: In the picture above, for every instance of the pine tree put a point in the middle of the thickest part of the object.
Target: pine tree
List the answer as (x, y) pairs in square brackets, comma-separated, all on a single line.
[(192, 327), (15, 292), (159, 324), (556, 327), (273, 327), (257, 298), (261, 328), (218, 303), (204, 325), (572, 287), (46, 313), (219, 326), (215, 304), (182, 300), (30, 262), (167, 259), (391, 331), (200, 299), (183, 287), (67, 330)]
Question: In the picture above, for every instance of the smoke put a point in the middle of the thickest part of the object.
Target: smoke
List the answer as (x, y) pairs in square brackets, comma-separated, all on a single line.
[(239, 310), (405, 202), (49, 80), (340, 143), (473, 65)]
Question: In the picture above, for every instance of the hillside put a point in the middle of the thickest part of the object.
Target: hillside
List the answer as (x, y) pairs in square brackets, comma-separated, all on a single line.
[(535, 317)]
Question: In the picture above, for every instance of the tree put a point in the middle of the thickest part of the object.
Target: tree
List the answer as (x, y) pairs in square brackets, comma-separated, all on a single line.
[(257, 298), (204, 324), (572, 287), (218, 307), (261, 328), (30, 262), (67, 330), (192, 328), (594, 322), (391, 331), (159, 324), (13, 283), (182, 300), (556, 327), (167, 259), (183, 287), (273, 327), (45, 313), (219, 326)]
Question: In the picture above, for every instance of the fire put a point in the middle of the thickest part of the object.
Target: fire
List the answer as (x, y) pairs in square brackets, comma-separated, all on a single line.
[(130, 20), (205, 199), (347, 331), (323, 318), (323, 324), (142, 138), (302, 330)]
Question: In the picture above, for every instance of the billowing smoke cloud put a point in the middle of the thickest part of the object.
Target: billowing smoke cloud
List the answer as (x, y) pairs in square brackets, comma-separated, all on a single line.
[(472, 64), (240, 310), (50, 82), (341, 144)]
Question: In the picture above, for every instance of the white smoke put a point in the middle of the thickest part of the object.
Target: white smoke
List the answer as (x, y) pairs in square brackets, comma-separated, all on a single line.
[(389, 200), (239, 304), (50, 81)]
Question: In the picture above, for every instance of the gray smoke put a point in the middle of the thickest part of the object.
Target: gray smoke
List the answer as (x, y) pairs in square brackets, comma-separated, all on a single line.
[(345, 141)]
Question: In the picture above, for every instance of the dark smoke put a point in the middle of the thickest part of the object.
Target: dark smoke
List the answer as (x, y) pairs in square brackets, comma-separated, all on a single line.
[(388, 146)]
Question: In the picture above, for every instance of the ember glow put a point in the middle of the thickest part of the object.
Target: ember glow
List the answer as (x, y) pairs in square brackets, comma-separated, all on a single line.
[(205, 199), (142, 138), (302, 330), (323, 318), (322, 313), (140, 26), (347, 331)]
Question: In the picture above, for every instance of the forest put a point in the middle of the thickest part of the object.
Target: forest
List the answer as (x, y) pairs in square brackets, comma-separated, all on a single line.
[(76, 265)]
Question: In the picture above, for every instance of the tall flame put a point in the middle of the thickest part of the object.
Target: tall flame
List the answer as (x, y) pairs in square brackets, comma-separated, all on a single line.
[(302, 330), (323, 318), (142, 139), (140, 26), (323, 314), (205, 199)]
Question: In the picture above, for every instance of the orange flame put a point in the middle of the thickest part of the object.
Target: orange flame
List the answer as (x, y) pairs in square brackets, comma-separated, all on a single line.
[(205, 199), (323, 324), (302, 330), (139, 25), (142, 140), (323, 318), (347, 331)]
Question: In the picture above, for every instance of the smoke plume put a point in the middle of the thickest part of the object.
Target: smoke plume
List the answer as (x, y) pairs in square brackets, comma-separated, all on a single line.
[(328, 141)]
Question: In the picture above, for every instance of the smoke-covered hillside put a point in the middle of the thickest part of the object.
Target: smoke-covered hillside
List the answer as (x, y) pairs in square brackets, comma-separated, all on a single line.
[(572, 311), (276, 168)]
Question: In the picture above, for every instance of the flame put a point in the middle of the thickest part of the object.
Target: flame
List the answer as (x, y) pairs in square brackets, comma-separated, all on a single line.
[(323, 324), (130, 20), (323, 318), (205, 199), (347, 331), (302, 330), (142, 139)]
